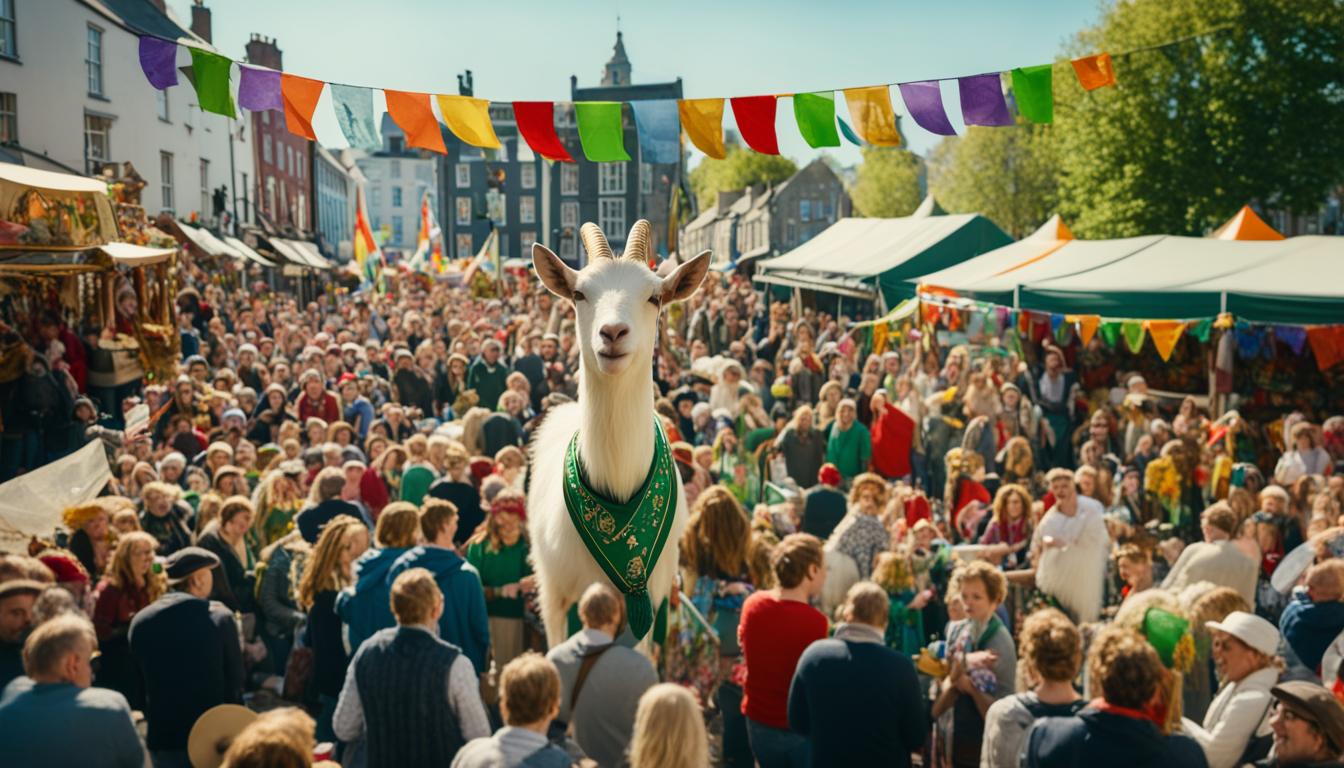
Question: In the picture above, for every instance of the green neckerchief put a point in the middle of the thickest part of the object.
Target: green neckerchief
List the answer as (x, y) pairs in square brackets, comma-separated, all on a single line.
[(991, 628), (625, 539)]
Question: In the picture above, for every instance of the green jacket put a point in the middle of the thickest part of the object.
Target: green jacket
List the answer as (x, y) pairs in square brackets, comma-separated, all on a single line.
[(849, 450)]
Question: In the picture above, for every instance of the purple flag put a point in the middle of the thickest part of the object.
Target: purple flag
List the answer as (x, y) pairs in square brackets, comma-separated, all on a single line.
[(924, 100), (259, 89), (982, 100), (1295, 336), (158, 59)]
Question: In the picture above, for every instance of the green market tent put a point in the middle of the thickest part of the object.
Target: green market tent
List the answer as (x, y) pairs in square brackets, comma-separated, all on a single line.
[(860, 257)]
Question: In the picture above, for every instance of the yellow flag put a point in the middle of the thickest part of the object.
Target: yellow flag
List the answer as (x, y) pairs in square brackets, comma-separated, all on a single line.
[(1165, 334), (703, 121), (874, 119), (469, 120)]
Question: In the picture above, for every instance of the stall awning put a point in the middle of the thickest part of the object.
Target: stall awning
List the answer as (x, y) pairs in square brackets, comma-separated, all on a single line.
[(827, 284), (136, 255), (208, 243), (295, 251), (247, 252), (89, 195)]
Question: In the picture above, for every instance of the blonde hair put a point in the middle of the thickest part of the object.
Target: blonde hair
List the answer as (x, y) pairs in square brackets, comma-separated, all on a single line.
[(413, 597), (119, 567), (669, 730), (322, 571), (396, 525), (1051, 645), (280, 738), (892, 572)]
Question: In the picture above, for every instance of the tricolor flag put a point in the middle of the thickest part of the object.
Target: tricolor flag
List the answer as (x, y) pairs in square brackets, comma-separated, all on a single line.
[(367, 254), (428, 255)]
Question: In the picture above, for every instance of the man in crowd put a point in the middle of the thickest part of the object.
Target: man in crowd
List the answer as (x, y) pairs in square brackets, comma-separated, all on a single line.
[(17, 594), (190, 653), (850, 446), (487, 375), (529, 699), (53, 716), (364, 607), (825, 505), (803, 448), (414, 697), (1216, 559), (462, 621), (1308, 723), (1313, 620), (600, 680), (330, 483), (858, 701)]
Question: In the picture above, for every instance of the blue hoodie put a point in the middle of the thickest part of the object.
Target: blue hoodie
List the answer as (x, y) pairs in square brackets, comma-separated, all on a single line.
[(1310, 627), (366, 609), (464, 622)]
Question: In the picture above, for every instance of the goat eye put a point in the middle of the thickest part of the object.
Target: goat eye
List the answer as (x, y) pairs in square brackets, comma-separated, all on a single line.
[(577, 296), (656, 300)]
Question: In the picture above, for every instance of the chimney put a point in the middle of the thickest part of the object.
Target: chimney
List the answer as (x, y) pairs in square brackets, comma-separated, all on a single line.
[(200, 20), (262, 50)]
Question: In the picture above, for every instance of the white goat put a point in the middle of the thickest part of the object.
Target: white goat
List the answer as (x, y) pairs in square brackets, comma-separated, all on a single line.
[(616, 302)]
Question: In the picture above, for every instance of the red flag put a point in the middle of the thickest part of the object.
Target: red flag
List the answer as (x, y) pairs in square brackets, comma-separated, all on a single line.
[(536, 121), (756, 120)]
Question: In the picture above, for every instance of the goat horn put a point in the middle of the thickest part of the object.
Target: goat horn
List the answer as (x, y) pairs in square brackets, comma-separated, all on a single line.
[(637, 244), (594, 242)]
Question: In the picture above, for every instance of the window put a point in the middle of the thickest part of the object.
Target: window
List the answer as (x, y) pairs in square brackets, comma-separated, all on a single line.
[(243, 187), (97, 141), (298, 163), (525, 239), (270, 195), (207, 208), (567, 248), (611, 178), (569, 179), (464, 246), (289, 158), (645, 179), (569, 214), (166, 179), (463, 173), (93, 61), (7, 36), (377, 223), (424, 172), (611, 214), (396, 197), (376, 197), (9, 118), (527, 176), (804, 210), (463, 210), (527, 210), (397, 230), (396, 169), (266, 149), (266, 117), (161, 101), (395, 144)]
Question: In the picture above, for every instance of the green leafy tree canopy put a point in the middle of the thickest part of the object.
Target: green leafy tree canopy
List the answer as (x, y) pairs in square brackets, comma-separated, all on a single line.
[(1007, 174), (740, 168), (888, 183)]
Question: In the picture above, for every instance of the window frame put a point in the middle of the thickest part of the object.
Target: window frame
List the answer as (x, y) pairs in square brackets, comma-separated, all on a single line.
[(611, 178), (569, 179), (9, 117), (167, 192), (9, 23), (98, 34), (569, 206), (161, 105), (608, 221), (527, 209), (645, 179), (527, 176), (106, 133), (396, 196), (462, 175), (207, 203), (458, 218), (463, 244)]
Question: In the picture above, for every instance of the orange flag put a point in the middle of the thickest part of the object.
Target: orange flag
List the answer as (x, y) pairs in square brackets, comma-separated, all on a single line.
[(1165, 334), (1094, 71), (300, 97), (1327, 343), (1087, 326), (703, 121), (874, 119), (411, 111)]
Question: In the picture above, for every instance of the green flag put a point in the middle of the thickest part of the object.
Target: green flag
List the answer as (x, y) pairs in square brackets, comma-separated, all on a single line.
[(600, 131), (1032, 90), (1110, 333), (212, 82), (1133, 332), (1201, 329), (815, 113)]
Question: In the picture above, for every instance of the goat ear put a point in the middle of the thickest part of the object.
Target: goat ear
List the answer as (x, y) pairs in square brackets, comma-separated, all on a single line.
[(685, 279), (554, 274)]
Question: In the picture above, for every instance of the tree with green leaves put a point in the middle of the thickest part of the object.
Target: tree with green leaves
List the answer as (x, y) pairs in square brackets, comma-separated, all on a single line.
[(1245, 108), (1007, 174), (887, 184), (740, 168)]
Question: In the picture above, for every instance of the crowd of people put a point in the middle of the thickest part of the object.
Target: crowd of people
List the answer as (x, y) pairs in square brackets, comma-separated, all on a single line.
[(975, 555)]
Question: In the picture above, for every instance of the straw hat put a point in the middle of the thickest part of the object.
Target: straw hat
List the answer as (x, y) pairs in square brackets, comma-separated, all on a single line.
[(214, 731)]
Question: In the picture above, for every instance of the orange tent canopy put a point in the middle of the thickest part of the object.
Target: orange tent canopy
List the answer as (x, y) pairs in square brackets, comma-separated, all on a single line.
[(1246, 225)]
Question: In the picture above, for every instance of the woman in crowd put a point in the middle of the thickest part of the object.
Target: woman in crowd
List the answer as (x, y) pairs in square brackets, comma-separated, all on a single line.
[(856, 542), (277, 499), (326, 572), (226, 536), (1010, 526), (1306, 457), (280, 615), (498, 551), (90, 541), (131, 584), (164, 516), (905, 617), (1052, 651), (1236, 729), (983, 664), (669, 730)]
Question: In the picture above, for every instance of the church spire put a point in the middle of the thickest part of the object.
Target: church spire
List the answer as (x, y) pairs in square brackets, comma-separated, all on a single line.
[(617, 71)]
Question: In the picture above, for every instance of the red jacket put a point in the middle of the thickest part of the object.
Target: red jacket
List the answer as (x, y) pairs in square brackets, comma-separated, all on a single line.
[(773, 634)]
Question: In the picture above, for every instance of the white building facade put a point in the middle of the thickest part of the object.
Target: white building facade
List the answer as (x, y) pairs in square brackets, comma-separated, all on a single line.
[(396, 179), (72, 92)]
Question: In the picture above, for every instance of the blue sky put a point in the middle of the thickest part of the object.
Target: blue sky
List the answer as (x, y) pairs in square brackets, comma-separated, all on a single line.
[(527, 49)]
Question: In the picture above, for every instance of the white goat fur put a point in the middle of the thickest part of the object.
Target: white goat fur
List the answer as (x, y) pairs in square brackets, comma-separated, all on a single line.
[(614, 415)]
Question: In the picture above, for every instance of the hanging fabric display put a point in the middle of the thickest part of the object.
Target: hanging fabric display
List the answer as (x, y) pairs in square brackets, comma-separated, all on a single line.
[(1248, 340), (469, 120), (755, 117), (659, 130), (536, 122), (1094, 71), (924, 101), (354, 113), (1132, 331), (702, 119), (1087, 326), (1201, 330), (815, 114), (300, 96), (1295, 336), (1033, 90), (1327, 344), (414, 115), (1110, 333), (212, 82), (600, 131), (848, 133), (874, 119), (259, 89), (982, 100), (158, 60), (1165, 334)]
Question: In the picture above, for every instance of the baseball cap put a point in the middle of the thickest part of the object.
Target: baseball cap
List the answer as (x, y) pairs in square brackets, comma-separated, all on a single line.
[(1250, 629)]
